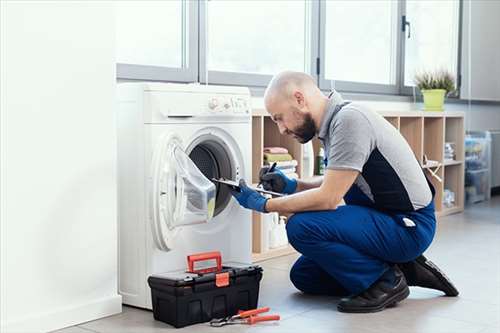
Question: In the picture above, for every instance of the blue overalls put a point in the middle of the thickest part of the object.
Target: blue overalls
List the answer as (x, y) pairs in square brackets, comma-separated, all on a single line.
[(346, 250)]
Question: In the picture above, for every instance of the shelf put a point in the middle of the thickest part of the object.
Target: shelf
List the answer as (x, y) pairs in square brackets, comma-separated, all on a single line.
[(454, 162), (449, 210), (273, 253), (430, 165)]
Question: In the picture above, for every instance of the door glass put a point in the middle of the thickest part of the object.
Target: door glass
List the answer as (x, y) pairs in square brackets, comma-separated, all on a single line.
[(187, 196)]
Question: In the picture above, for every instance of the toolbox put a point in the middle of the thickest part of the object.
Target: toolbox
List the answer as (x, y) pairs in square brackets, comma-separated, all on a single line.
[(194, 296)]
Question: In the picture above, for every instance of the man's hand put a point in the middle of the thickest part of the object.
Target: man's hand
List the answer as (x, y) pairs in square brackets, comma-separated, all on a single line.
[(277, 181), (249, 198)]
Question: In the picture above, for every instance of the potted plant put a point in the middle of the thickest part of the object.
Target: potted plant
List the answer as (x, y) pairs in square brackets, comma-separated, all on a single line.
[(434, 87)]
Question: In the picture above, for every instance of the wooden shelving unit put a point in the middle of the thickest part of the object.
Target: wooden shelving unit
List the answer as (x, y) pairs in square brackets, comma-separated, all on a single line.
[(425, 132)]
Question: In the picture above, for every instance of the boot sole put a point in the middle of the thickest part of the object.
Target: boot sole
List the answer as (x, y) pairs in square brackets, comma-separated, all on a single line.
[(451, 291), (390, 302)]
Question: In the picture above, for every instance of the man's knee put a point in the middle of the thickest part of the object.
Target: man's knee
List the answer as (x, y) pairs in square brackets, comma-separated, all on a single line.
[(296, 229), (299, 277)]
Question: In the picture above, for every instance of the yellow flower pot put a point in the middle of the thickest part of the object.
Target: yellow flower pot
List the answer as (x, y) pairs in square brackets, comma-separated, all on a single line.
[(434, 99)]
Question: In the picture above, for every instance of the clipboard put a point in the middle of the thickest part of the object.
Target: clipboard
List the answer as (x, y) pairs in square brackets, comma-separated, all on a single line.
[(236, 186)]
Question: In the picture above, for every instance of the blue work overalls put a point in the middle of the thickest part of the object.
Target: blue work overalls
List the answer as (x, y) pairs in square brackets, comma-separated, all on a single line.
[(347, 249)]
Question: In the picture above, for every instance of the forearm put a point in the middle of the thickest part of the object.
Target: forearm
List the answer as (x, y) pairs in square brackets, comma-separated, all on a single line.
[(308, 200), (310, 183)]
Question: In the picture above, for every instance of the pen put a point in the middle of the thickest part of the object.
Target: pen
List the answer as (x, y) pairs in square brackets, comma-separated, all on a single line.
[(271, 169)]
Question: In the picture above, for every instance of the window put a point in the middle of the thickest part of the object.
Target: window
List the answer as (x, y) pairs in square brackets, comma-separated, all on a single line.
[(360, 41), (433, 37), (367, 46), (256, 37), (140, 26), (156, 40)]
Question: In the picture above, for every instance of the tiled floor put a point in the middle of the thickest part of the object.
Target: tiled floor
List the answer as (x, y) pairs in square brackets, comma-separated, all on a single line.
[(467, 247)]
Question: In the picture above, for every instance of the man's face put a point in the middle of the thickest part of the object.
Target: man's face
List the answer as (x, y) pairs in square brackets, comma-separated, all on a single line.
[(293, 121)]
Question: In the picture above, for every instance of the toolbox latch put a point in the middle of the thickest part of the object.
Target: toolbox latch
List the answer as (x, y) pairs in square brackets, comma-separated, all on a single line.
[(222, 279)]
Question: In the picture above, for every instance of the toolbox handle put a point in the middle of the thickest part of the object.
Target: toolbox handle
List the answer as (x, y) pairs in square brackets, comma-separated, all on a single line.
[(191, 259)]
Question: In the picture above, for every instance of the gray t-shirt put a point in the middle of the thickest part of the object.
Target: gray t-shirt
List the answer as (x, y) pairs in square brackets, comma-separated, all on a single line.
[(357, 138)]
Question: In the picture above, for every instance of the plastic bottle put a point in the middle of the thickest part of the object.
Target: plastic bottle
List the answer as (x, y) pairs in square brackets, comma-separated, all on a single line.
[(308, 160), (320, 164)]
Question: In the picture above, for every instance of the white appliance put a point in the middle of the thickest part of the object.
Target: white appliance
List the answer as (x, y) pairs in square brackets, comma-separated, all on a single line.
[(211, 124)]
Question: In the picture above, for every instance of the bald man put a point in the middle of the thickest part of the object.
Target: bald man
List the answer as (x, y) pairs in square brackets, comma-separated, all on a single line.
[(371, 248)]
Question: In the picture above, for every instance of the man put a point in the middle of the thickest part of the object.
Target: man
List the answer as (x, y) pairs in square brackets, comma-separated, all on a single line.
[(350, 250)]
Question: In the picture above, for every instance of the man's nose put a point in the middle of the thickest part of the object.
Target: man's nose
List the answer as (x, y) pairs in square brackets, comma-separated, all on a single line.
[(282, 129)]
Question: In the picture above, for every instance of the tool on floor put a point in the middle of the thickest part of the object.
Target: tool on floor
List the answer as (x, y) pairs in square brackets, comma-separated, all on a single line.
[(249, 317), (235, 186)]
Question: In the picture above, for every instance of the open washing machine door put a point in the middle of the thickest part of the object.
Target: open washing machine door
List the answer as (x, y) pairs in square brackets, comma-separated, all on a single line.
[(180, 194)]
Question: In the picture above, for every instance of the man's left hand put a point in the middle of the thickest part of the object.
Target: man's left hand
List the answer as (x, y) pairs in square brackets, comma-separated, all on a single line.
[(249, 198)]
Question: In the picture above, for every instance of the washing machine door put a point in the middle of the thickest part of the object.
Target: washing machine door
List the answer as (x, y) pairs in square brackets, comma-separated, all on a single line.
[(180, 194)]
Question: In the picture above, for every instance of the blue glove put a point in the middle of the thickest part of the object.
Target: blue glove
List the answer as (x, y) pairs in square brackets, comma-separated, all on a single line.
[(277, 181), (249, 198)]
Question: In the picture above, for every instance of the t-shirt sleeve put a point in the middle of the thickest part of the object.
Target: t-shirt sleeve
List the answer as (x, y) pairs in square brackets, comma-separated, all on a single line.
[(352, 139)]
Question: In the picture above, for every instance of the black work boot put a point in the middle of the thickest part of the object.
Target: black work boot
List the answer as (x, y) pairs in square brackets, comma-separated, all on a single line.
[(385, 292), (422, 272)]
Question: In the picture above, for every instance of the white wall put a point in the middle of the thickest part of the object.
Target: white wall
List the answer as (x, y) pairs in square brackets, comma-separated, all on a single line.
[(58, 165)]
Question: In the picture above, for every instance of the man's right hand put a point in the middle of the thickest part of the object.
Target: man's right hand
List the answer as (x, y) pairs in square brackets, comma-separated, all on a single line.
[(277, 181)]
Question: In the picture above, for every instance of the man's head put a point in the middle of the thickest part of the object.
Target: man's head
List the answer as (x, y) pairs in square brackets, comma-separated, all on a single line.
[(295, 104)]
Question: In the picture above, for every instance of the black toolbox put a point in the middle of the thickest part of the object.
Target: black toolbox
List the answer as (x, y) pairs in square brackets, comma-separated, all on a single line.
[(196, 296)]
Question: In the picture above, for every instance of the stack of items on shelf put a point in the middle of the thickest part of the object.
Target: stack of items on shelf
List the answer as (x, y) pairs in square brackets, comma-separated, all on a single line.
[(284, 161), (449, 151), (448, 198)]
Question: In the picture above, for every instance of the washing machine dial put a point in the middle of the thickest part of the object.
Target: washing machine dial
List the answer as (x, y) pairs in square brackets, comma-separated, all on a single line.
[(213, 103)]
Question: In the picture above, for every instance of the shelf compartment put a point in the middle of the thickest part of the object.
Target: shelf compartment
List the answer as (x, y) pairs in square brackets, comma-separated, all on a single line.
[(272, 137), (454, 181), (412, 130), (433, 138), (454, 133), (394, 121), (438, 186)]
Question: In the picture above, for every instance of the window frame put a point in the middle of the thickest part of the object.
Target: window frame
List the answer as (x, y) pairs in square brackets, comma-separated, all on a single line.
[(188, 72)]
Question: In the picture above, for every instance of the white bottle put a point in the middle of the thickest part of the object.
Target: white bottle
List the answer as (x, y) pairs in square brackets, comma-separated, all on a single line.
[(308, 161)]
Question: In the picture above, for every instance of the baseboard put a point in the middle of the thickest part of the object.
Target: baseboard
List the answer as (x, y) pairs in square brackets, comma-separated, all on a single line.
[(64, 317)]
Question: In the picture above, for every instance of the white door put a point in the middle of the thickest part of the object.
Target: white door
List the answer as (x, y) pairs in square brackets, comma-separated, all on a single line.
[(180, 194)]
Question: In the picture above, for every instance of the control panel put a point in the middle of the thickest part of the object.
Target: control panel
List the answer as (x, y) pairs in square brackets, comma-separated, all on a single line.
[(228, 104), (166, 104)]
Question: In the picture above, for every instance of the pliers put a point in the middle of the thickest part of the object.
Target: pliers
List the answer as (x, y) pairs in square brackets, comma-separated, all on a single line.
[(249, 317)]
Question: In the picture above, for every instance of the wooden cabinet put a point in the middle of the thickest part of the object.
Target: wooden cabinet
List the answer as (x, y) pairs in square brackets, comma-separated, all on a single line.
[(426, 133)]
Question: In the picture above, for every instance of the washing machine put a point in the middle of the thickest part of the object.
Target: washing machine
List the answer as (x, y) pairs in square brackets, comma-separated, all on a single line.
[(156, 123)]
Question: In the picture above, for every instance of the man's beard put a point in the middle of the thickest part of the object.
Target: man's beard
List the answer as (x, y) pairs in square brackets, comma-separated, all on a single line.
[(305, 132)]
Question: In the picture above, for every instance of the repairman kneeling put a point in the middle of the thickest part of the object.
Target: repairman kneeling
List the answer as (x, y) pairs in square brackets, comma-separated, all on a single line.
[(371, 248)]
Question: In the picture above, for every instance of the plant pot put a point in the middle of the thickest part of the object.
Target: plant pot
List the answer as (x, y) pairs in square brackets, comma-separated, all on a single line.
[(434, 99)]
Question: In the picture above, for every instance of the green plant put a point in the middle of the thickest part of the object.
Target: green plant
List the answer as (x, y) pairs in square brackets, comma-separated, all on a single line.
[(441, 79)]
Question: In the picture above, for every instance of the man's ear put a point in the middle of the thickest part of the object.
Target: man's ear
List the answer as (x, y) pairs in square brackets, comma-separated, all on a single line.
[(299, 99)]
